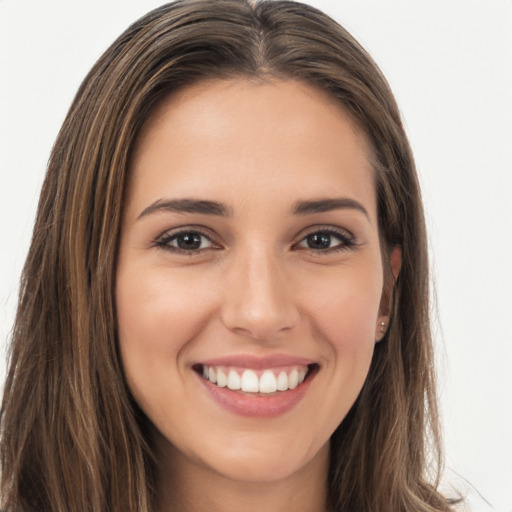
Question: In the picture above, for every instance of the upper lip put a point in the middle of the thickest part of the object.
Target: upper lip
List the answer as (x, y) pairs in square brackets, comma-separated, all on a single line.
[(257, 362)]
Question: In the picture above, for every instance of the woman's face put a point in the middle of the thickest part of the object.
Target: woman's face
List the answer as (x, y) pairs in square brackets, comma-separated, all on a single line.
[(249, 257)]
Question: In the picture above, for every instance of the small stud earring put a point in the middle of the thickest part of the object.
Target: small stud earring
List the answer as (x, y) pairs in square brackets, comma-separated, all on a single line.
[(383, 327)]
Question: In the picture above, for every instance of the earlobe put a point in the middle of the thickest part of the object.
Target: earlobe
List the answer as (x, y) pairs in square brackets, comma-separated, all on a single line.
[(385, 307), (381, 328)]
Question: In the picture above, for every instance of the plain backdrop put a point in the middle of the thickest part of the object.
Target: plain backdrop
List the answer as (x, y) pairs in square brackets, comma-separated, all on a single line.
[(450, 65)]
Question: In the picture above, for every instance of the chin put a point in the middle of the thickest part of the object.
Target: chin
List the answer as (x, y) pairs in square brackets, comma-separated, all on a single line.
[(264, 461), (257, 469)]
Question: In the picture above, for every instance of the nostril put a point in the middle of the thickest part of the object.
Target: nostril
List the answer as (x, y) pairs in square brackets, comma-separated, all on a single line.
[(258, 325)]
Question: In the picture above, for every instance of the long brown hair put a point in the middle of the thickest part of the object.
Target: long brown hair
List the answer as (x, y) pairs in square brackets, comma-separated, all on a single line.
[(73, 440)]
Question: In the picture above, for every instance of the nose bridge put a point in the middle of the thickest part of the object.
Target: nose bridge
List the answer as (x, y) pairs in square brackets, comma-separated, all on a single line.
[(259, 302)]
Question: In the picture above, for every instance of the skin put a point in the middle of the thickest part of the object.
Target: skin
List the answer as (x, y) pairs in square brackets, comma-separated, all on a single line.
[(253, 287)]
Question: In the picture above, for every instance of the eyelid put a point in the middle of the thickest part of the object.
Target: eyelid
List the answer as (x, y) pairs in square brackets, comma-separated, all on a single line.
[(162, 240), (348, 239), (326, 228)]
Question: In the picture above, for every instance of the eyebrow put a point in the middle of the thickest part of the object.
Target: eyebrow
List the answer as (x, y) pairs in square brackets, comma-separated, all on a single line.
[(206, 207), (327, 205), (187, 206)]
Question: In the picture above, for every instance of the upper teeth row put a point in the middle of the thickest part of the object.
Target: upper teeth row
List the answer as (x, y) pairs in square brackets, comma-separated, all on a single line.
[(249, 381)]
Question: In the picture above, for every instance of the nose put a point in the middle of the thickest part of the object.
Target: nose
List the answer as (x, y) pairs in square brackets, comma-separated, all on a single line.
[(259, 301)]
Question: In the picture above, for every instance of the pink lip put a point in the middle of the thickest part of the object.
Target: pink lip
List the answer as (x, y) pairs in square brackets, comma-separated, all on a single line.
[(257, 363), (257, 405)]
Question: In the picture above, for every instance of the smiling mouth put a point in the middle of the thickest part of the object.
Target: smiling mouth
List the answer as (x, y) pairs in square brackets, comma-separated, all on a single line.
[(257, 382)]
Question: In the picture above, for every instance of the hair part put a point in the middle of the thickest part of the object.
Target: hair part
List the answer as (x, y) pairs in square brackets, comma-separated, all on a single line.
[(73, 439)]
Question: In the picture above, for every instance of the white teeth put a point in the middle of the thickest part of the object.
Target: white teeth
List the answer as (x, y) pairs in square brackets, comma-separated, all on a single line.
[(268, 382), (282, 381), (250, 382), (293, 379), (222, 380), (233, 380)]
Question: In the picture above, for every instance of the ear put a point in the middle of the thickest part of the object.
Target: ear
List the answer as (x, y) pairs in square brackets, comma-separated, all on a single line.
[(395, 262), (381, 327)]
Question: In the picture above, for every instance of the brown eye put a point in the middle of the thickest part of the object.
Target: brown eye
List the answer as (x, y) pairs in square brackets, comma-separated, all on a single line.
[(189, 241), (319, 241), (186, 241), (326, 240)]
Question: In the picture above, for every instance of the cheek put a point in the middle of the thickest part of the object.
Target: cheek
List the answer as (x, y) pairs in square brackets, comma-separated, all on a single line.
[(159, 313), (345, 306), (348, 330), (345, 312), (156, 311)]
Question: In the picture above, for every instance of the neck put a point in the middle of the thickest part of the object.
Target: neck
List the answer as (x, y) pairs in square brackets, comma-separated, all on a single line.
[(186, 486)]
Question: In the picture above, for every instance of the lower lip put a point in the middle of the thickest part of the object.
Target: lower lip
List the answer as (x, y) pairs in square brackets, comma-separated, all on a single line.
[(255, 405)]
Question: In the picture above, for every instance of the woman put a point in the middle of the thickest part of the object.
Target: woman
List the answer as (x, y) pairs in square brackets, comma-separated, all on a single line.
[(225, 303)]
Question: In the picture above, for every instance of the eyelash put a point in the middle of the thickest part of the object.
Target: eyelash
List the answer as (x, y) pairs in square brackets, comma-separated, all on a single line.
[(346, 241), (165, 240)]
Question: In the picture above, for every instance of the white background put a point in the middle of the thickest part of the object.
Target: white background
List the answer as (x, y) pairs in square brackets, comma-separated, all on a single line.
[(450, 65)]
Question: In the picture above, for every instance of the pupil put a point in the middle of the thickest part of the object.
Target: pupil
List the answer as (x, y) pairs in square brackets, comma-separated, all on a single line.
[(319, 241), (189, 241)]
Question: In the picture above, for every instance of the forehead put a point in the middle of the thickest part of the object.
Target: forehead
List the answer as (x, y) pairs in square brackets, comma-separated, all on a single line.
[(239, 99), (235, 137)]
